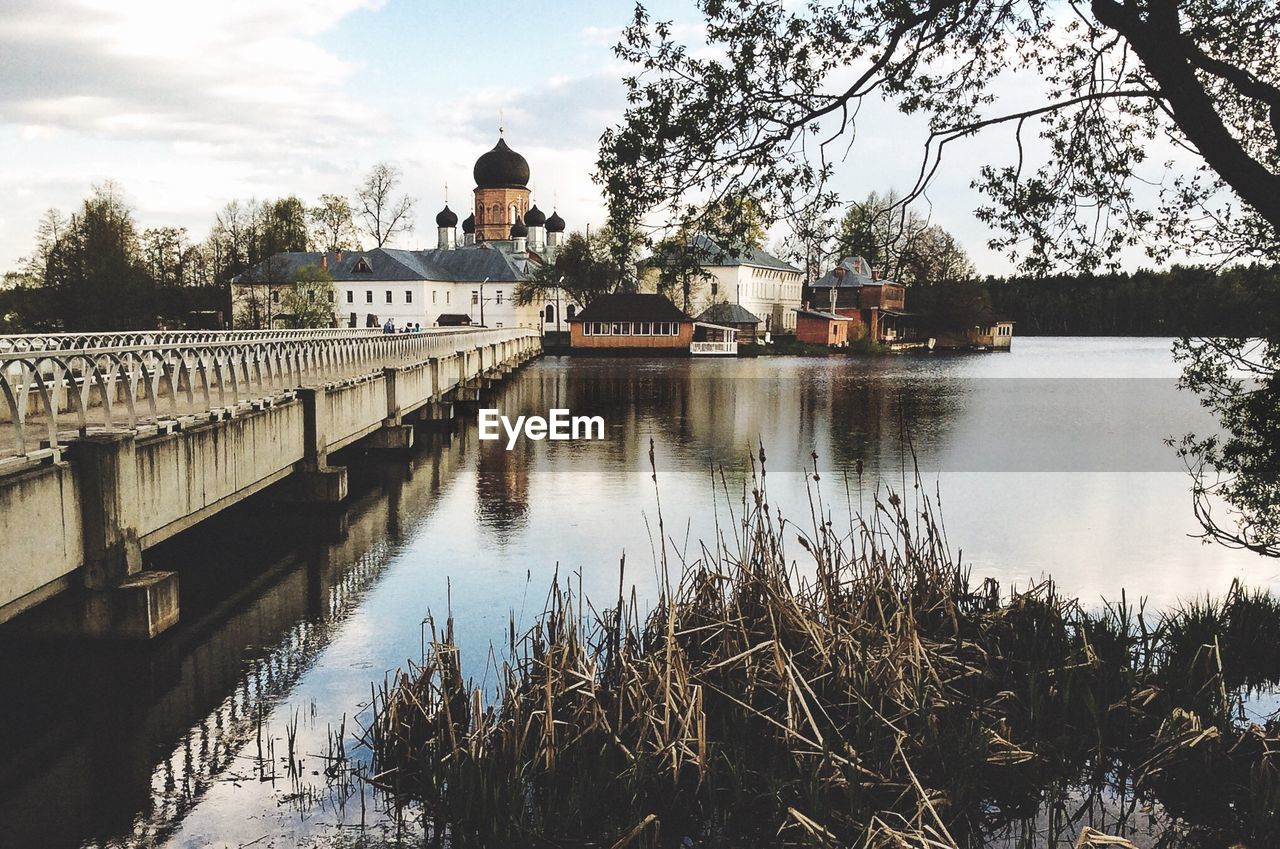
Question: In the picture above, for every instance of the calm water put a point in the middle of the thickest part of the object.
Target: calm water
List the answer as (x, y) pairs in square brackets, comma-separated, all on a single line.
[(1049, 461)]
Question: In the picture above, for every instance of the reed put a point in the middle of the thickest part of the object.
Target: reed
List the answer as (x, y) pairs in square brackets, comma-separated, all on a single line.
[(843, 685)]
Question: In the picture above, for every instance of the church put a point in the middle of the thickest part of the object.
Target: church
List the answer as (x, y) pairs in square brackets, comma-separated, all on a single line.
[(471, 280)]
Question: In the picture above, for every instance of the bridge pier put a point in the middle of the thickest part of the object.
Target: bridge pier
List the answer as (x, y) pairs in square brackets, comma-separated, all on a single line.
[(394, 435), (116, 599), (315, 481)]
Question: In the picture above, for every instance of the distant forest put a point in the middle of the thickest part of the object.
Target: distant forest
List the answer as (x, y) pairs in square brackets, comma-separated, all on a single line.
[(1181, 301)]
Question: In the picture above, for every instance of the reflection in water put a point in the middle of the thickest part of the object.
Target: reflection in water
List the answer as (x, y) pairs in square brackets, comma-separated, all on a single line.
[(288, 619)]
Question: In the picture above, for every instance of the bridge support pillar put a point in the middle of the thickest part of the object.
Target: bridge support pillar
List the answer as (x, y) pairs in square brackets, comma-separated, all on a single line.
[(315, 481), (435, 414), (392, 437), (118, 599)]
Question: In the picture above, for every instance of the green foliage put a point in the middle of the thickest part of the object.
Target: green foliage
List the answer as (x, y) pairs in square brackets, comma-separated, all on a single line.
[(333, 224), (1236, 473), (767, 99), (583, 269), (679, 266), (309, 301), (95, 269), (900, 243)]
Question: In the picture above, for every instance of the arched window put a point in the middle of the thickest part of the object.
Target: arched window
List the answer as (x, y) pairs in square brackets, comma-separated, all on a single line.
[(514, 212), (571, 312), (497, 214), (551, 314), (480, 214)]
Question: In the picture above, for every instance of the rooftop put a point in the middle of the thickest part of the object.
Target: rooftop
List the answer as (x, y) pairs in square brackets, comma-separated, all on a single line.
[(631, 307), (716, 254), (460, 265), (830, 316), (727, 313), (857, 273)]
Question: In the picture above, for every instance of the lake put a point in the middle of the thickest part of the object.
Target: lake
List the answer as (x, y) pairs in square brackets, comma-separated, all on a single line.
[(1048, 461)]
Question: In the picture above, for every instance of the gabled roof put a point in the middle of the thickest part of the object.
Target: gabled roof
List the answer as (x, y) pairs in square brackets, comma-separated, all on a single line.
[(715, 254), (856, 275), (631, 307), (727, 313), (461, 265)]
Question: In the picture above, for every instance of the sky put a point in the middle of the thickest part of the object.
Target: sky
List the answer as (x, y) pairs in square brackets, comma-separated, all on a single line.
[(190, 105)]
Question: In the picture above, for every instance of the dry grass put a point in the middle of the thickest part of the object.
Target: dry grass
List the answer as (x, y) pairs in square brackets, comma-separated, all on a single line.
[(830, 688)]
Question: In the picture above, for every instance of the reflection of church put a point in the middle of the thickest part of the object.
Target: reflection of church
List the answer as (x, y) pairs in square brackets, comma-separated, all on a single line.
[(505, 239)]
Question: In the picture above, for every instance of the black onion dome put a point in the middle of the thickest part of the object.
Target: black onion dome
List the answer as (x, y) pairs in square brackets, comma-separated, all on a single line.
[(534, 217), (555, 224), (469, 223), (447, 217), (518, 230), (501, 168)]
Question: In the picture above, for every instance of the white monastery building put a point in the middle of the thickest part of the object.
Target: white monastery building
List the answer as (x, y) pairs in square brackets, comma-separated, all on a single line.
[(471, 280)]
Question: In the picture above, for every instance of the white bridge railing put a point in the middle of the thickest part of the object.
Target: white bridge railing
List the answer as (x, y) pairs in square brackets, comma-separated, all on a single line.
[(713, 347), (133, 338), (136, 380)]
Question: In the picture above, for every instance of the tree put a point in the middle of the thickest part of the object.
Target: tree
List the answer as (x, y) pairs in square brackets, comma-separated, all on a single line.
[(52, 226), (165, 251), (96, 271), (284, 226), (679, 263), (582, 270), (900, 243), (736, 220), (780, 85), (380, 214), (333, 224), (309, 301)]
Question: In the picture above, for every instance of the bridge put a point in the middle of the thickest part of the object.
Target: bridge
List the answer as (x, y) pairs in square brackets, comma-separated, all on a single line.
[(113, 442)]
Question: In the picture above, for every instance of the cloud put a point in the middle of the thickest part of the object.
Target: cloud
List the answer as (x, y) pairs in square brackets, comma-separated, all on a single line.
[(210, 71)]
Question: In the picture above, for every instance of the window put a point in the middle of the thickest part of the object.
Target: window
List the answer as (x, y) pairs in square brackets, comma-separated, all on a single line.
[(675, 328), (368, 296), (433, 296), (388, 296), (351, 296), (550, 314), (330, 297), (475, 297), (446, 296), (617, 328), (408, 296), (571, 311), (351, 322), (363, 267), (499, 300), (586, 328), (275, 296), (644, 329), (599, 328), (715, 288), (311, 294)]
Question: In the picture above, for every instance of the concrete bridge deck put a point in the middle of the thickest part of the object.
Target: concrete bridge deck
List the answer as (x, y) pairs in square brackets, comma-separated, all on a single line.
[(109, 446)]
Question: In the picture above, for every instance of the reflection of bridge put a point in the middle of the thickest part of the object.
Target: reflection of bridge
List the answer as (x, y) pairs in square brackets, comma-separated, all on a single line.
[(111, 443)]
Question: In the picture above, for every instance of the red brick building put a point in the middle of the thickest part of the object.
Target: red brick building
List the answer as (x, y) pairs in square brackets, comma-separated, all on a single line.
[(814, 327)]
